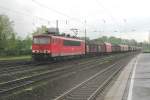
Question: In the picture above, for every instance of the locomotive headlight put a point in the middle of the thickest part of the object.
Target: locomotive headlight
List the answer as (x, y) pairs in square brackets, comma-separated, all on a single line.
[(48, 51), (35, 51)]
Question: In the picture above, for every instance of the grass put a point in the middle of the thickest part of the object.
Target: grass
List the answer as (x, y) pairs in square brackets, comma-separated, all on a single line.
[(146, 51), (24, 57)]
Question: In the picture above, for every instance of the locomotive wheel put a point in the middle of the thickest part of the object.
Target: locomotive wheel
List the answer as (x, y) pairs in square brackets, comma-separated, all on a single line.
[(38, 57)]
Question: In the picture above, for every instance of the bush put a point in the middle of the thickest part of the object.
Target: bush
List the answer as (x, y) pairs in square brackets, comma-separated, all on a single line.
[(15, 52)]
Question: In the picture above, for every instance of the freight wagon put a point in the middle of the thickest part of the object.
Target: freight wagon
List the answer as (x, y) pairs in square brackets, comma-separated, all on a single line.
[(116, 48)]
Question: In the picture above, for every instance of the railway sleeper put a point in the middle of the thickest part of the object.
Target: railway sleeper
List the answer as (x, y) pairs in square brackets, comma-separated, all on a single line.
[(76, 98), (80, 93)]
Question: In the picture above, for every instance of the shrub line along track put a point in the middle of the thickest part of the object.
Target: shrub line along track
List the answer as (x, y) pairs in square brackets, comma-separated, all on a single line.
[(89, 89), (10, 86)]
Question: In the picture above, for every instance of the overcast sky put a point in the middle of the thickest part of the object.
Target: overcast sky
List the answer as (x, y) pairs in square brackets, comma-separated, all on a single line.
[(121, 18)]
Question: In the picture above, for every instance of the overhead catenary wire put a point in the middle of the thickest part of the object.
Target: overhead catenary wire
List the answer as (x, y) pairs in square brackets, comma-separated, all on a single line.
[(23, 14), (110, 14), (37, 18), (56, 11), (61, 13)]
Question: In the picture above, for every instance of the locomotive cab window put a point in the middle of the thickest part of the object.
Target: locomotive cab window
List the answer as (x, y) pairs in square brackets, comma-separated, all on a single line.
[(71, 43), (56, 40), (41, 40)]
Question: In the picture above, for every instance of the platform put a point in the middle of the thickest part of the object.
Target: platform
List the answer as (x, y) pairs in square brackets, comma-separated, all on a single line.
[(133, 82)]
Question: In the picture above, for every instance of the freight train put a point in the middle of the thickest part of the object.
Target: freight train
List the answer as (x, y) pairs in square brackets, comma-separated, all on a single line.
[(52, 46)]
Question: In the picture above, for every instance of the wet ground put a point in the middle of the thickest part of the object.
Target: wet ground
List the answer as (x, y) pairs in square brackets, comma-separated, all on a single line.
[(134, 81), (141, 85)]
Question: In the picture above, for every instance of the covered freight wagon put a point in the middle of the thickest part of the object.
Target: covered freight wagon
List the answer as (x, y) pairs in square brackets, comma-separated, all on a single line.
[(124, 48), (116, 48), (106, 47), (93, 48)]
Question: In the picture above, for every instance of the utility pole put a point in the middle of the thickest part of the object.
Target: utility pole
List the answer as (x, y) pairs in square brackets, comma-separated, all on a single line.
[(85, 36), (149, 37), (149, 40), (57, 28)]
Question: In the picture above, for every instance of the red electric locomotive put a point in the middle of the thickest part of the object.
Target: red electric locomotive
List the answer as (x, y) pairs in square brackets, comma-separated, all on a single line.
[(51, 46)]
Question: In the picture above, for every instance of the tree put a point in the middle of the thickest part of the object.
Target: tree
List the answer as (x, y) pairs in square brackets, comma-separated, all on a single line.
[(115, 40), (11, 43), (40, 30), (27, 43), (6, 32)]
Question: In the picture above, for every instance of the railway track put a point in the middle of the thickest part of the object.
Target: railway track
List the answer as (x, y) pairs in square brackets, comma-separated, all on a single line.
[(14, 85), (13, 66), (8, 63), (32, 77), (26, 66), (27, 72), (88, 89), (9, 87)]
